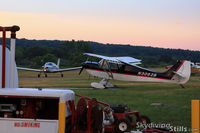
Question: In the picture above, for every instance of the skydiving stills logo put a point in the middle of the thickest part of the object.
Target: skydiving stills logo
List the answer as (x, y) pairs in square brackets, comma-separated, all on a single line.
[(165, 126), (195, 122)]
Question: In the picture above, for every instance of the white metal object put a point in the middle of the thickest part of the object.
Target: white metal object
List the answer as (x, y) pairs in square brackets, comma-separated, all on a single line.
[(63, 95), (9, 123), (7, 73), (12, 62)]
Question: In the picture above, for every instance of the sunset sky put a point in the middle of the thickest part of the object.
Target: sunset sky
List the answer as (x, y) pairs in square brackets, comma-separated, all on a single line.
[(157, 23)]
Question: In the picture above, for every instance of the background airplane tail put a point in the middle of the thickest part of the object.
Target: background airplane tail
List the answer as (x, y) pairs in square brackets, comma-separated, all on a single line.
[(181, 72), (58, 63)]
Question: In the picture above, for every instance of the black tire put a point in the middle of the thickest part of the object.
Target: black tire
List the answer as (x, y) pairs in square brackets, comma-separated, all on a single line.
[(38, 75), (145, 120), (45, 75), (122, 125), (62, 75)]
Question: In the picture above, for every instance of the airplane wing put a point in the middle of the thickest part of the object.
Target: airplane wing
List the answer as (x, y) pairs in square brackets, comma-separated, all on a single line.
[(69, 69), (127, 60), (29, 69), (100, 56)]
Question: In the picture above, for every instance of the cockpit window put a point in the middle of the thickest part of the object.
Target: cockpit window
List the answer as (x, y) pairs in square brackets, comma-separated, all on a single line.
[(129, 68), (50, 64), (106, 65), (113, 66), (103, 64)]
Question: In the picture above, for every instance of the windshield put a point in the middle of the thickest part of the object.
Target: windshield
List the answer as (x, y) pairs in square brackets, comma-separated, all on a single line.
[(49, 63), (106, 65)]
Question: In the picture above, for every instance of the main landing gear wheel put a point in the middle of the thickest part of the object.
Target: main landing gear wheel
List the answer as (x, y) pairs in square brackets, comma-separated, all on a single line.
[(62, 75), (38, 75), (122, 125), (45, 75)]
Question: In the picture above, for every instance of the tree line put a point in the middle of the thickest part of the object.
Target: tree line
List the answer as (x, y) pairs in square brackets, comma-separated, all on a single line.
[(34, 53), (70, 53)]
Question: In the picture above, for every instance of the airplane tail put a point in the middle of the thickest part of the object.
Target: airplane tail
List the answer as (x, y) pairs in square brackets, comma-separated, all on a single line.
[(58, 63), (180, 72)]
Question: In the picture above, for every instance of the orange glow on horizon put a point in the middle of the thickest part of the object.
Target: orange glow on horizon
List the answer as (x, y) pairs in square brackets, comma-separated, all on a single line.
[(103, 30)]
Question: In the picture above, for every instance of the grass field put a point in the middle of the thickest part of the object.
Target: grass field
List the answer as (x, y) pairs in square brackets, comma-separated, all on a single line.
[(137, 95)]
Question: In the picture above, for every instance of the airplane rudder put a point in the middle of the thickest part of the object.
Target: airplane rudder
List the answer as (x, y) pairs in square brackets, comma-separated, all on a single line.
[(58, 63), (185, 70)]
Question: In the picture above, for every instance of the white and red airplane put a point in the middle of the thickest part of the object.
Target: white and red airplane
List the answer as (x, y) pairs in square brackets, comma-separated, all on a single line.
[(127, 69), (49, 67)]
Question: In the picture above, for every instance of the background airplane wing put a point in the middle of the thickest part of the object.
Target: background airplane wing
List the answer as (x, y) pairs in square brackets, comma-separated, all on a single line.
[(69, 69), (29, 69)]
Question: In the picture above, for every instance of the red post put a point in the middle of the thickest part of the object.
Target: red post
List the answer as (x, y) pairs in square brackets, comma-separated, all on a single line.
[(3, 55)]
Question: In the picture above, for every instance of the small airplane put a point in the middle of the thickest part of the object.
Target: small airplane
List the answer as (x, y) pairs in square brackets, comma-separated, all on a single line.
[(127, 69), (195, 65), (49, 67)]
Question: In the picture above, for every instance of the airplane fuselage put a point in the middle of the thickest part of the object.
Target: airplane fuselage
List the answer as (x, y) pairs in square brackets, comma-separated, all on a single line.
[(197, 65), (127, 72), (50, 67)]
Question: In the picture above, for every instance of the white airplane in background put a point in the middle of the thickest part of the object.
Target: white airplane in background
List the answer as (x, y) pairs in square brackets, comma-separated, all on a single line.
[(195, 65), (49, 67), (127, 69)]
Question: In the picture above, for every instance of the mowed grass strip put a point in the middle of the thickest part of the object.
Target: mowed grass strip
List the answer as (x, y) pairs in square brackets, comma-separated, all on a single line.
[(137, 95)]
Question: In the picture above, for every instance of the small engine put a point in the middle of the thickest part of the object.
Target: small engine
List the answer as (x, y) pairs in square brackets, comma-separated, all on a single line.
[(119, 108)]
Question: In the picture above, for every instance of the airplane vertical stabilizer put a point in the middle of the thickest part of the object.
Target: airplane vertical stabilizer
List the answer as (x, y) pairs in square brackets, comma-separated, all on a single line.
[(58, 63), (182, 75)]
